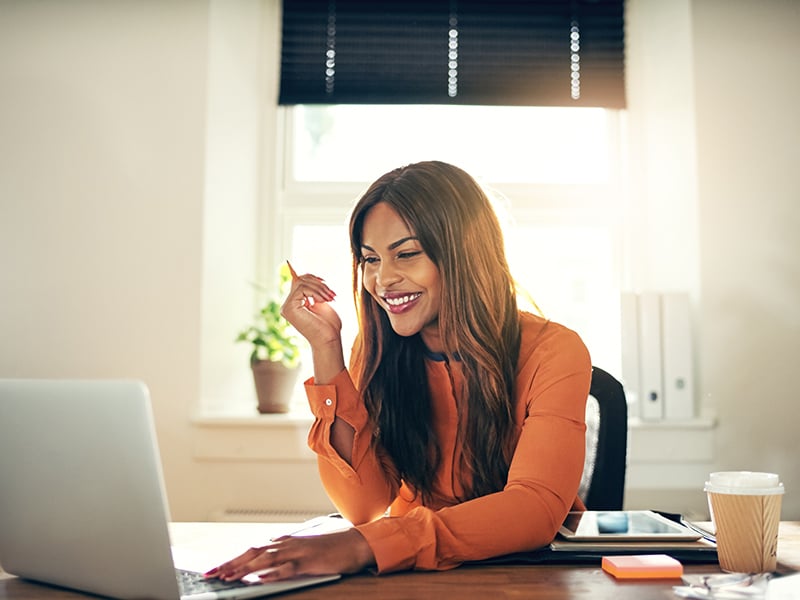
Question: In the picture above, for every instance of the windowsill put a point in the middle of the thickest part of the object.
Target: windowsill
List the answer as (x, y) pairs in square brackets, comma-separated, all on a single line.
[(249, 436), (294, 418)]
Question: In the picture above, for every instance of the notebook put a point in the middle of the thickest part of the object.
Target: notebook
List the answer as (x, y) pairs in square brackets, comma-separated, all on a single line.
[(82, 500)]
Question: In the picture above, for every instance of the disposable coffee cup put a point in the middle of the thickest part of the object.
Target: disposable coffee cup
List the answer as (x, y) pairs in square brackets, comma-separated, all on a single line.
[(746, 510)]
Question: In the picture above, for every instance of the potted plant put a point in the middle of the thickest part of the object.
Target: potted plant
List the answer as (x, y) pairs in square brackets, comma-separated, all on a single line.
[(275, 355)]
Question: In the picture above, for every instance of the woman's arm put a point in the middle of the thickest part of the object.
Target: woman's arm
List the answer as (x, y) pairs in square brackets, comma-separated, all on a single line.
[(360, 480), (307, 308)]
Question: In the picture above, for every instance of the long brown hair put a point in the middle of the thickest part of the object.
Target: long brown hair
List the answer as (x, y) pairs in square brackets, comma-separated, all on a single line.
[(478, 322)]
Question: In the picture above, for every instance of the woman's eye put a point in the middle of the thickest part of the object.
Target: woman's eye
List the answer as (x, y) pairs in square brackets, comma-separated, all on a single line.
[(370, 260), (410, 254)]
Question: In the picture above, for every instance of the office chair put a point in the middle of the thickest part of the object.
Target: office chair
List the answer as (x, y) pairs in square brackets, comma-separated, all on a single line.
[(603, 481)]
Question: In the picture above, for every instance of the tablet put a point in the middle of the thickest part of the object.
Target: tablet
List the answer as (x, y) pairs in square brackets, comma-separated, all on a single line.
[(623, 525)]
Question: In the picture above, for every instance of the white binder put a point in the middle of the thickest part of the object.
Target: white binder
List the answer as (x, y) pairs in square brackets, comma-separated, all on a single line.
[(651, 403), (676, 358)]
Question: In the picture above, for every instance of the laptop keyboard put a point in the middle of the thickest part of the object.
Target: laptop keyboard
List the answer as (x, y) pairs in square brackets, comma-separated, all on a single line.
[(190, 583)]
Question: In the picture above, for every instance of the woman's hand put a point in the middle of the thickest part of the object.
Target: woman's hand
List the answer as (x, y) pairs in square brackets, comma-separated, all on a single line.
[(307, 308), (287, 557)]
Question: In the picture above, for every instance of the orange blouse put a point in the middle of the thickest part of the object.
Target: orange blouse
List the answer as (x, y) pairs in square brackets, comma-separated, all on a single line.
[(552, 385)]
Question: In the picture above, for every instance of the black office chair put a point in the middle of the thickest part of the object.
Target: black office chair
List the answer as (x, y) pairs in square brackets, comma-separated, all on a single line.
[(603, 482)]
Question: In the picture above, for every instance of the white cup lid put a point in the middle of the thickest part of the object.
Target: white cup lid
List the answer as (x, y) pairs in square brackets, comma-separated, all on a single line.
[(744, 482)]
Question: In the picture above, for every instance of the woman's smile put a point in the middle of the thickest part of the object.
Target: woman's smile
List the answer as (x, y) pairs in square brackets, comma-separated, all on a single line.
[(398, 303)]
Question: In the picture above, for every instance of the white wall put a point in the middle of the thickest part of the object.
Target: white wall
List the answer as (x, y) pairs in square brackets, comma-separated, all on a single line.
[(713, 129), (130, 146), (102, 138), (748, 130)]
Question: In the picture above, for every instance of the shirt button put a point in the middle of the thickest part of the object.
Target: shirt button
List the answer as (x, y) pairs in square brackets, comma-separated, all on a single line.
[(328, 401)]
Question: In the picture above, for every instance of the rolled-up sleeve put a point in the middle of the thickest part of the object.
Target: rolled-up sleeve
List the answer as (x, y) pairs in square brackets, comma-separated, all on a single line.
[(363, 489)]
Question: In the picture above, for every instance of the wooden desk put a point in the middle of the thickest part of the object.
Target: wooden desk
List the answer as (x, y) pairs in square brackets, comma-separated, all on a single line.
[(508, 581)]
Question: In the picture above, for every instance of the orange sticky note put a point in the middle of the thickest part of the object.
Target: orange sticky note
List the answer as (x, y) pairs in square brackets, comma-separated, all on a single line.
[(642, 566)]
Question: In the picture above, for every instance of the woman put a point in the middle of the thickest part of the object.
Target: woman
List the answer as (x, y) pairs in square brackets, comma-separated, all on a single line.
[(460, 414)]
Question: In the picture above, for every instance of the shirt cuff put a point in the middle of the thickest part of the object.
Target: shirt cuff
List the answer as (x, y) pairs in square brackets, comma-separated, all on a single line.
[(329, 401), (339, 398), (391, 547)]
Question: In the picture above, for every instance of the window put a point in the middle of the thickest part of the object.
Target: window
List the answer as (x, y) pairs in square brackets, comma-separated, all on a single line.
[(498, 144), (554, 171)]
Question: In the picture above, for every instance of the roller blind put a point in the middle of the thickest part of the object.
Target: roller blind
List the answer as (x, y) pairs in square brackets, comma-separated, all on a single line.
[(485, 52)]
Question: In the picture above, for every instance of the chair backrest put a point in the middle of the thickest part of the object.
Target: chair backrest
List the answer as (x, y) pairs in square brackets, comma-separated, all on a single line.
[(603, 482)]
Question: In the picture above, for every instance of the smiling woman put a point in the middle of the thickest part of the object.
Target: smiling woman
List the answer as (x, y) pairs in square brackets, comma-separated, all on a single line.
[(460, 416)]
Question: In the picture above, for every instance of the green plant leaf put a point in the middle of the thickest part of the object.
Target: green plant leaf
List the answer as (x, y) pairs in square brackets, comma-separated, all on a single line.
[(271, 336)]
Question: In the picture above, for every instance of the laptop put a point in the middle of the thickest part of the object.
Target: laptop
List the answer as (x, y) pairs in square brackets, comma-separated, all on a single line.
[(82, 500)]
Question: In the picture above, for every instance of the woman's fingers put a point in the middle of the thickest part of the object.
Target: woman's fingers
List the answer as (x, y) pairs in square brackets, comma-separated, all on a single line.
[(310, 287), (306, 307), (276, 560), (343, 552), (284, 570), (283, 565), (308, 277), (254, 559), (318, 291), (225, 570), (296, 276)]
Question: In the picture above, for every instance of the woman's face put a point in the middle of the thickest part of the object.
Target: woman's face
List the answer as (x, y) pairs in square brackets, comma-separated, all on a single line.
[(400, 276)]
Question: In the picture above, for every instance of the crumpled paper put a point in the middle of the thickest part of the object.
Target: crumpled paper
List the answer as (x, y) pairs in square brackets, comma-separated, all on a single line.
[(724, 586)]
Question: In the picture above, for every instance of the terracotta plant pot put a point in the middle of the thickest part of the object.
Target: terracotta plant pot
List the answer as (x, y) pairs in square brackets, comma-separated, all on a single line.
[(274, 386)]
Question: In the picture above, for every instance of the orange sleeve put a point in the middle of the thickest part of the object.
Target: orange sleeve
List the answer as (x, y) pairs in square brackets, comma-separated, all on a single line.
[(552, 387), (364, 490)]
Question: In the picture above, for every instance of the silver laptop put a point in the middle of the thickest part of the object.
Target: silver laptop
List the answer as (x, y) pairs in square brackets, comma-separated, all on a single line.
[(82, 501)]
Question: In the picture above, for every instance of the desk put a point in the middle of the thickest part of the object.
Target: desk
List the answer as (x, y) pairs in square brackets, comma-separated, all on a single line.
[(478, 582)]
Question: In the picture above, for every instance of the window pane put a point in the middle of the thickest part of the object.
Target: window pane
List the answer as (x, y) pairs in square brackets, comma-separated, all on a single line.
[(498, 144), (333, 265), (568, 271)]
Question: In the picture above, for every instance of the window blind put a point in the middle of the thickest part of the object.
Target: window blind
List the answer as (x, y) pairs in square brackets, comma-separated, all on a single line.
[(486, 52)]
